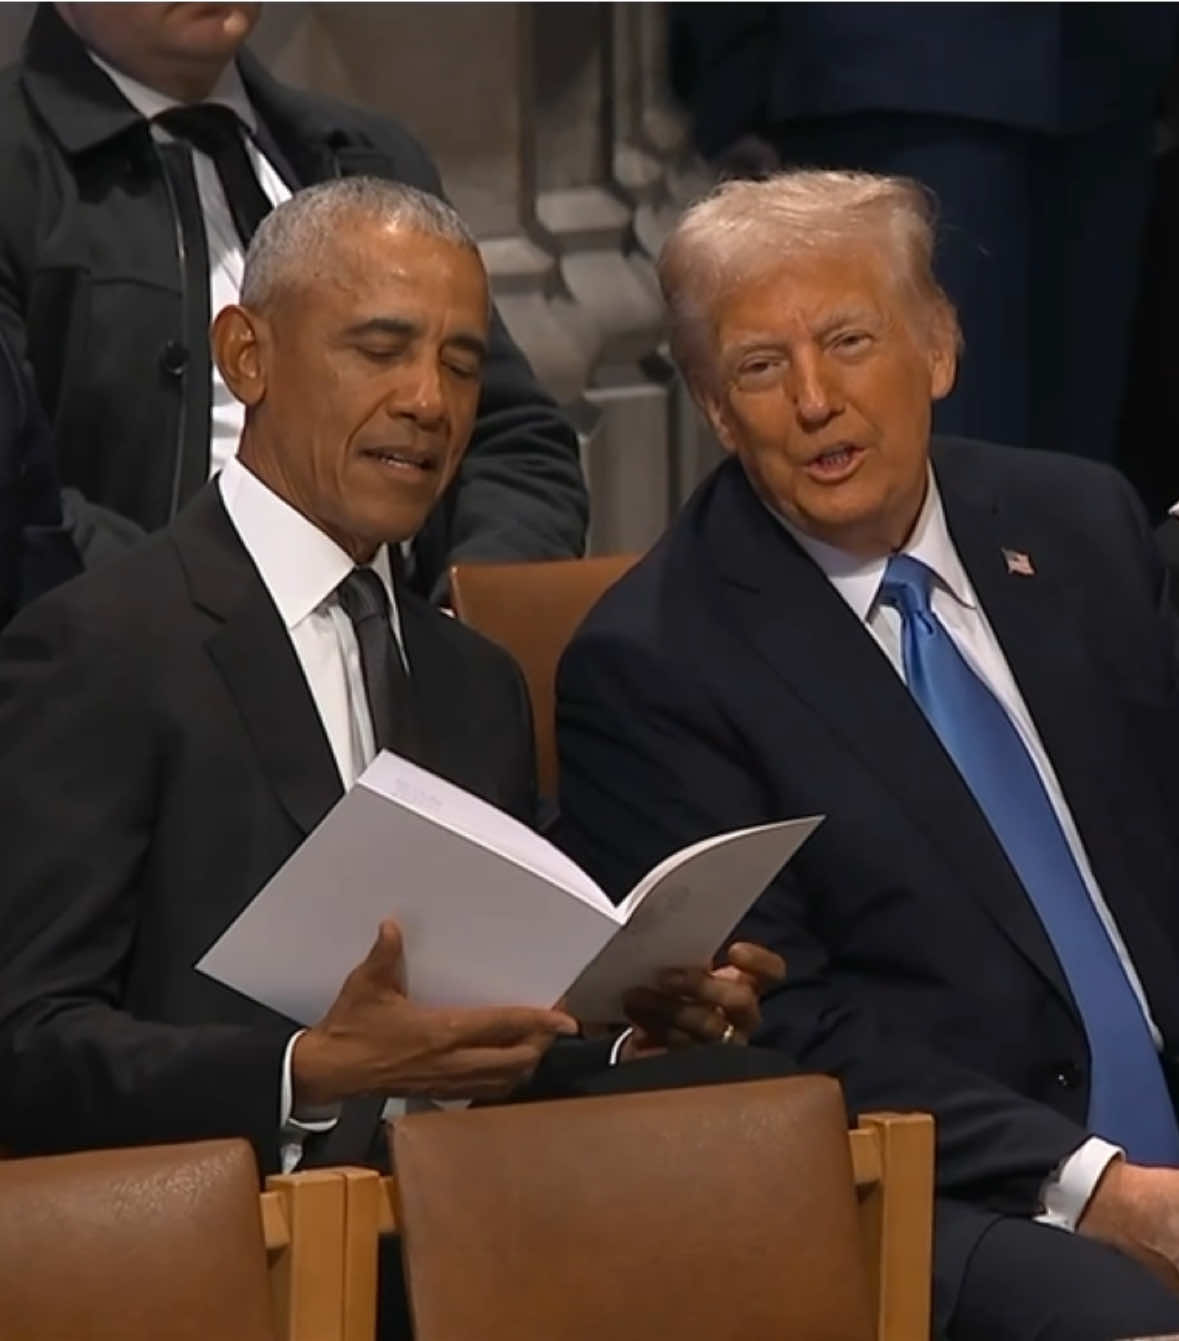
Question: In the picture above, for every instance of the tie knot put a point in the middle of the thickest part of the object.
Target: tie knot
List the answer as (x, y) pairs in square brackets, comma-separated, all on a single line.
[(907, 583), (208, 126), (363, 595)]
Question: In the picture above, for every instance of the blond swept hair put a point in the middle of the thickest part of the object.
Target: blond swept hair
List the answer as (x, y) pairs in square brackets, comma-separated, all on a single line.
[(743, 229)]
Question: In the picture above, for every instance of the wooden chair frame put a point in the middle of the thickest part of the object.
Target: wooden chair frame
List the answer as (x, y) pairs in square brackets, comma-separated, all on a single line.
[(322, 1227)]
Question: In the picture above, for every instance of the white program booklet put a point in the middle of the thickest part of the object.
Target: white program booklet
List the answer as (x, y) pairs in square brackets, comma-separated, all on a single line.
[(490, 912)]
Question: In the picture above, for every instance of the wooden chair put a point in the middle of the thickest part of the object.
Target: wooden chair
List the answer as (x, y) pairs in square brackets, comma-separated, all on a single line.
[(467, 1190), (532, 610), (134, 1245)]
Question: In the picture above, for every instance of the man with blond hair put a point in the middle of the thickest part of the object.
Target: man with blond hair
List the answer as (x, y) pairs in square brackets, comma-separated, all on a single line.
[(962, 656)]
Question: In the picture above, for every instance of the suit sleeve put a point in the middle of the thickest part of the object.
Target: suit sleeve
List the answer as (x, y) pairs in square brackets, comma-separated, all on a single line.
[(520, 492), (648, 766), (81, 765)]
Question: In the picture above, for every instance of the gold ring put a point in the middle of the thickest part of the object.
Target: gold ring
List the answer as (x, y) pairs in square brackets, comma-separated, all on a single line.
[(727, 1036)]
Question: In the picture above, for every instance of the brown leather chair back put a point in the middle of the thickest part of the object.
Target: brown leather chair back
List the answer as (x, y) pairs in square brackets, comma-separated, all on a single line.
[(532, 610), (725, 1211), (134, 1245)]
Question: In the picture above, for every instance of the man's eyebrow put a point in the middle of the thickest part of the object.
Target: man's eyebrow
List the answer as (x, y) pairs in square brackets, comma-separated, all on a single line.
[(473, 344), (852, 315), (404, 329), (398, 326)]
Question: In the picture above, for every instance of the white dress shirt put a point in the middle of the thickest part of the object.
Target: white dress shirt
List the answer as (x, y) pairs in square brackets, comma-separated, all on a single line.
[(955, 604), (301, 567), (226, 256)]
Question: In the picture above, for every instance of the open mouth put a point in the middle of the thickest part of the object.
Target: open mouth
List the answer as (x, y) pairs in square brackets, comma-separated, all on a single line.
[(836, 462), (403, 460)]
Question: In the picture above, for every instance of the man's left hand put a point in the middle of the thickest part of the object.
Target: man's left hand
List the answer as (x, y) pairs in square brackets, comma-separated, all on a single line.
[(698, 1005)]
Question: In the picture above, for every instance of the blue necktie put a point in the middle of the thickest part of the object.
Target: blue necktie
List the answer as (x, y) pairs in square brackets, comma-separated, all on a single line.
[(1128, 1098)]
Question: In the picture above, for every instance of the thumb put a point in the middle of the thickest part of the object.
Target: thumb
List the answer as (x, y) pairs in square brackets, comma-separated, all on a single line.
[(386, 960)]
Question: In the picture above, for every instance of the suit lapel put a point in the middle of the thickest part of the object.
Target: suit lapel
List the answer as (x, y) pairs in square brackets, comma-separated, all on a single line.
[(782, 604), (437, 693), (252, 650), (1037, 619)]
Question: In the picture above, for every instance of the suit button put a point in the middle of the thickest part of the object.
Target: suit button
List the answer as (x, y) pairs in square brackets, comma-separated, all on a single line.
[(1067, 1075), (174, 358)]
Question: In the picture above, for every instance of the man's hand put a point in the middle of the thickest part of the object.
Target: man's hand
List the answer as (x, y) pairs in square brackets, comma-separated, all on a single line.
[(1137, 1210), (374, 1040), (699, 1005)]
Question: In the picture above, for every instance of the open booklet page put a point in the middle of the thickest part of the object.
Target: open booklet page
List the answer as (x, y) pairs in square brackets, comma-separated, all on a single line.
[(396, 778), (681, 911), (490, 912)]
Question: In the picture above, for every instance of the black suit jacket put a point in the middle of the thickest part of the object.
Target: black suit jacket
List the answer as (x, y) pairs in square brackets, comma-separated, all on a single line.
[(112, 312), (1167, 535), (36, 551), (723, 682), (160, 757)]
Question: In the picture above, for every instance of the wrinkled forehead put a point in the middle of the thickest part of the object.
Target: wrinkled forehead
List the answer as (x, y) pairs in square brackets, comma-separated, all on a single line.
[(805, 291), (367, 262)]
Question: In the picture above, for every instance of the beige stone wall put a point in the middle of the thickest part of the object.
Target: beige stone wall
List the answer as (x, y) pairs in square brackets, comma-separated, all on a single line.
[(556, 138)]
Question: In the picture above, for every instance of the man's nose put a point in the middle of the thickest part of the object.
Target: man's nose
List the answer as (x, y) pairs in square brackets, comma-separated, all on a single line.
[(816, 390), (419, 393)]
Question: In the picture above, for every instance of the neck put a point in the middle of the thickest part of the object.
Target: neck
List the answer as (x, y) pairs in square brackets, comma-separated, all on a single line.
[(268, 469), (185, 84)]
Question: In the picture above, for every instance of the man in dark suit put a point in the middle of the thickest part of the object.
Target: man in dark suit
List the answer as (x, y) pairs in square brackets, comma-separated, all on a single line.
[(173, 724), (964, 659), (139, 145), (36, 551)]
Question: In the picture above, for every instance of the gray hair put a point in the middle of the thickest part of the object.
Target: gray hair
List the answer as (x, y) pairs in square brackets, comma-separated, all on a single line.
[(290, 238), (744, 228)]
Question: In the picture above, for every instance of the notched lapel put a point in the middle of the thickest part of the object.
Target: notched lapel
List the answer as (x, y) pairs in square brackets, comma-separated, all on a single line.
[(784, 606), (1038, 622), (253, 652)]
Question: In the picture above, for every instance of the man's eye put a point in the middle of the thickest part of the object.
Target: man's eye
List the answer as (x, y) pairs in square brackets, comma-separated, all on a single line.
[(379, 353), (852, 342), (464, 368), (758, 371)]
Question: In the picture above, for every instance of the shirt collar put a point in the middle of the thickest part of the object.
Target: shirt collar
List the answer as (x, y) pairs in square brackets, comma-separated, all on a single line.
[(300, 565), (858, 580), (229, 91)]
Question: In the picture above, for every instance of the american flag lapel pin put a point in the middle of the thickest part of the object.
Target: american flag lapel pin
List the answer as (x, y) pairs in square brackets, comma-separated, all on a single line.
[(1019, 563)]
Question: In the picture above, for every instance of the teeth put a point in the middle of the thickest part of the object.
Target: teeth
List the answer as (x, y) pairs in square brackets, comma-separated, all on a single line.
[(839, 457)]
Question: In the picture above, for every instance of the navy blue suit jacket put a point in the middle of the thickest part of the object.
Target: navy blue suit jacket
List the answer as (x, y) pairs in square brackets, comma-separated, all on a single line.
[(724, 682), (1051, 68)]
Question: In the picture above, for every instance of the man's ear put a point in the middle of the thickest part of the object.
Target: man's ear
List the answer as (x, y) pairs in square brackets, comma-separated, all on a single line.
[(943, 355), (713, 409), (238, 338)]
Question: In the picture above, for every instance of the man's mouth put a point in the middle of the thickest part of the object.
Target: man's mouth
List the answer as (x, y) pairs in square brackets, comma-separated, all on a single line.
[(407, 459), (836, 462)]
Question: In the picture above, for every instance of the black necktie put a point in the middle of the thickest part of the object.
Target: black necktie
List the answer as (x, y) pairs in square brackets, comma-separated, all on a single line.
[(216, 131), (386, 686)]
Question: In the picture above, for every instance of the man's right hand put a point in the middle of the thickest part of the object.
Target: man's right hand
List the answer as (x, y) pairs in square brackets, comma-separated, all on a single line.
[(374, 1040), (1136, 1208)]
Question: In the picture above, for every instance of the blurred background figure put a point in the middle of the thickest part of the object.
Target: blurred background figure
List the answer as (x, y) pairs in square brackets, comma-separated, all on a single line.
[(141, 145), (1034, 124)]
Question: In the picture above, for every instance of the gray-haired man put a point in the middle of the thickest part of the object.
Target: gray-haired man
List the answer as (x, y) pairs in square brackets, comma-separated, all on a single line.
[(173, 724)]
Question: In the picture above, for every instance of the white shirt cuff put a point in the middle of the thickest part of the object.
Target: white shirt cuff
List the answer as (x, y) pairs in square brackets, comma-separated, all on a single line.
[(619, 1044), (293, 1130), (1065, 1195)]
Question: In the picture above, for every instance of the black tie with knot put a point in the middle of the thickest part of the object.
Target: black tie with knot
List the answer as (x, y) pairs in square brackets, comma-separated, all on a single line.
[(364, 600), (386, 685), (216, 131)]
